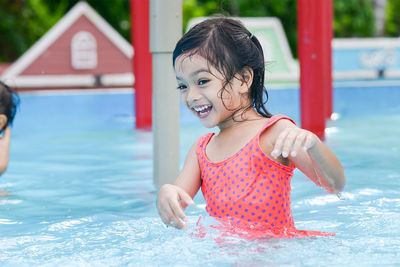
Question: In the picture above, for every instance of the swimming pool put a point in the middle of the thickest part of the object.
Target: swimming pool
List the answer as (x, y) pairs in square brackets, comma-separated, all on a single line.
[(81, 192)]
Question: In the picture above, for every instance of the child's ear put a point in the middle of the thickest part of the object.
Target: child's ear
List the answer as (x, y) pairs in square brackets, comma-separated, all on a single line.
[(247, 76), (3, 121)]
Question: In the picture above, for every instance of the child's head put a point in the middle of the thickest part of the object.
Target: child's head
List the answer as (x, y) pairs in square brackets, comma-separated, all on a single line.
[(9, 101), (231, 49)]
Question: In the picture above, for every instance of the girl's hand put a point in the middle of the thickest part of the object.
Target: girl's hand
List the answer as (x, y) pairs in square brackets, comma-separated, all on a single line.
[(291, 140), (170, 204)]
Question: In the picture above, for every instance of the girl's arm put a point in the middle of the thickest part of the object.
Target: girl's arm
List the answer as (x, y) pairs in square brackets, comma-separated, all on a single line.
[(305, 150), (172, 199), (4, 149)]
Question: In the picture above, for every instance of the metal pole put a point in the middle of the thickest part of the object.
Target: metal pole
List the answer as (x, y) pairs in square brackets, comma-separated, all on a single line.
[(165, 30), (141, 61), (315, 55)]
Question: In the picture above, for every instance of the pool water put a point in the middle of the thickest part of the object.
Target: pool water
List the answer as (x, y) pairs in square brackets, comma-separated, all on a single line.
[(80, 189)]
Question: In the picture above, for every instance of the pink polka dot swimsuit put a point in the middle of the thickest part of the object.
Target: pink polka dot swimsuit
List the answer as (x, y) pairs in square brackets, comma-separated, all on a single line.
[(249, 190)]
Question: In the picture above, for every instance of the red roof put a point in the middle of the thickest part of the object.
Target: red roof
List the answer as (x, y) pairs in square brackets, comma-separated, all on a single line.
[(3, 67)]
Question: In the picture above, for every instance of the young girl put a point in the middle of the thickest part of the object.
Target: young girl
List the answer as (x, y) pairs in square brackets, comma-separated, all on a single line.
[(244, 170), (8, 105)]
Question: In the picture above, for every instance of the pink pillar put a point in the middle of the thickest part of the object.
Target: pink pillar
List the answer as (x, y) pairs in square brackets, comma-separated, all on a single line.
[(142, 61), (315, 55)]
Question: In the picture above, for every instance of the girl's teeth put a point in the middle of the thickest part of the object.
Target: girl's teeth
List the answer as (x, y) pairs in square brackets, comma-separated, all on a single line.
[(200, 109)]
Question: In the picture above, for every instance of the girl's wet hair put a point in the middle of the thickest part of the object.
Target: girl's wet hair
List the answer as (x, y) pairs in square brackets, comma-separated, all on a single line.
[(9, 102), (228, 46)]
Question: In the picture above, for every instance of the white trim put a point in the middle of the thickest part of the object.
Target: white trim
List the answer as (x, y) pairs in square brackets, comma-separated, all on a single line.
[(293, 76), (392, 73), (87, 80), (96, 91), (355, 74), (127, 79), (373, 83), (359, 43), (81, 8), (282, 86)]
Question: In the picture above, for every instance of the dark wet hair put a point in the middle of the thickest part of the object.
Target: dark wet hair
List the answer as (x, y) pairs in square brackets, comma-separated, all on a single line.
[(229, 47), (9, 102)]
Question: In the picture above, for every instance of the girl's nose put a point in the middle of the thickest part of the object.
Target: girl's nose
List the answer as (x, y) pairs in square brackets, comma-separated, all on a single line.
[(193, 95)]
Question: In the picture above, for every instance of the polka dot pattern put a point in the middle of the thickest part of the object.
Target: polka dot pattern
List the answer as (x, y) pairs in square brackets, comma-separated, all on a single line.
[(249, 187)]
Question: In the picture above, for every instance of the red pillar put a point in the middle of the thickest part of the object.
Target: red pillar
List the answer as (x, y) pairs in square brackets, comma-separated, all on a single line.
[(327, 44), (314, 50), (142, 59)]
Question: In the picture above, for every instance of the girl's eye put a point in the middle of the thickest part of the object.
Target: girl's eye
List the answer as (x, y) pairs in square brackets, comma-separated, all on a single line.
[(181, 87), (202, 82)]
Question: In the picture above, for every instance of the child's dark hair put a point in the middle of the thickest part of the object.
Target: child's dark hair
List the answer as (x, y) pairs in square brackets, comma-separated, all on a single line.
[(9, 102), (228, 46)]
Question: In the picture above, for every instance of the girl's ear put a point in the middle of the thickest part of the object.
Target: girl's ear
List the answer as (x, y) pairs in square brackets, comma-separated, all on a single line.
[(247, 77), (3, 121)]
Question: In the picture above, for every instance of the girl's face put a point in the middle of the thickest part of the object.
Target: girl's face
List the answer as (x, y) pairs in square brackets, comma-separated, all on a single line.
[(200, 86)]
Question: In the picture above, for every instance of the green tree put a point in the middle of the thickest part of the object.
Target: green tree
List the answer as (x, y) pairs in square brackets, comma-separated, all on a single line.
[(353, 18), (392, 18), (23, 22)]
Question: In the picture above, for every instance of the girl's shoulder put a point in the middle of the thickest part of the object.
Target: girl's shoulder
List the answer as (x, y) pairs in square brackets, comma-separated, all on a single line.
[(276, 124)]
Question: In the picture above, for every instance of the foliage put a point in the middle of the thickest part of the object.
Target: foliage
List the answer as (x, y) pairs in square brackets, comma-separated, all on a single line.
[(353, 18), (393, 18), (23, 22)]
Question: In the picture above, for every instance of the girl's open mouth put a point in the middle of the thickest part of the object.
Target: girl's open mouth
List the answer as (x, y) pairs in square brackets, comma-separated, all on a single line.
[(202, 111)]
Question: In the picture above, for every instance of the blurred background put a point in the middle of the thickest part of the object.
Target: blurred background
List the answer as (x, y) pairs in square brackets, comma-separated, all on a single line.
[(23, 22)]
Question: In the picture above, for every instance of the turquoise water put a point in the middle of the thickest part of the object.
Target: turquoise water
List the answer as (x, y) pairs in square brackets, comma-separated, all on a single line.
[(81, 193)]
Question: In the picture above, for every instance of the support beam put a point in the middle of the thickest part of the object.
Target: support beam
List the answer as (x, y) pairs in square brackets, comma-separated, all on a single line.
[(142, 66), (165, 31), (315, 55)]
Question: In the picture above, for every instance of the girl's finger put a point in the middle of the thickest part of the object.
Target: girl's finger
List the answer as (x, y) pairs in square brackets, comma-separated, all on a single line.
[(165, 218), (178, 213), (298, 143), (184, 197), (289, 142), (170, 219), (276, 152)]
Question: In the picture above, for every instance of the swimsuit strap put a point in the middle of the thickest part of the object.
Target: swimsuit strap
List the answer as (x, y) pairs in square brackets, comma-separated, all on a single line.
[(271, 121)]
